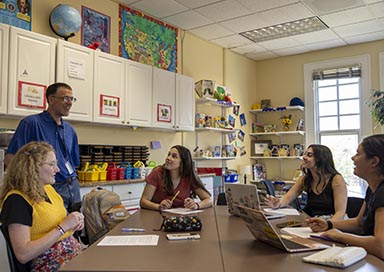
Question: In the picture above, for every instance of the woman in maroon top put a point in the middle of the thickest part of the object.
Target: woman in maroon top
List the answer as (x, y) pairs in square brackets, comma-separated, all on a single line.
[(176, 177)]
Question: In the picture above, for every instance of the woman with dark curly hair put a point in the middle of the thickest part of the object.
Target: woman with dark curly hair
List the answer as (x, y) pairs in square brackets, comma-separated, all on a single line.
[(175, 184), (325, 187)]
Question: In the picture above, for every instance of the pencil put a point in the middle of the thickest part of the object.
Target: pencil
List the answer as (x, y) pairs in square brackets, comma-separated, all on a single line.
[(174, 197)]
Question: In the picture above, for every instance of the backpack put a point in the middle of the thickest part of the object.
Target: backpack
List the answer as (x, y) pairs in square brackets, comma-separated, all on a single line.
[(102, 210)]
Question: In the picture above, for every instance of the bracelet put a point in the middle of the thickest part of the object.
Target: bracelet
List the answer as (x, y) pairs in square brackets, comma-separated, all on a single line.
[(330, 224), (198, 206), (61, 230)]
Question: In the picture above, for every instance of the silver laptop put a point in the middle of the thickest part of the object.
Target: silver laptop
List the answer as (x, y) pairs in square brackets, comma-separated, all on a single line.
[(264, 231), (245, 195)]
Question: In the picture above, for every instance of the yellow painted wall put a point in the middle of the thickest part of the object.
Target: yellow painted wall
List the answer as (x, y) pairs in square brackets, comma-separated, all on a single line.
[(278, 79)]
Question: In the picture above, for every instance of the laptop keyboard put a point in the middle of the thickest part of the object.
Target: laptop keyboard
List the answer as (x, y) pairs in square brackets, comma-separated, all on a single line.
[(292, 245)]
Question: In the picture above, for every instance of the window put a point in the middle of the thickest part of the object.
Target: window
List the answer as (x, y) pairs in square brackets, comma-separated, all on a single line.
[(336, 113)]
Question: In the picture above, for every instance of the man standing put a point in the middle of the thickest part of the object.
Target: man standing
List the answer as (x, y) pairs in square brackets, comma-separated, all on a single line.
[(49, 126)]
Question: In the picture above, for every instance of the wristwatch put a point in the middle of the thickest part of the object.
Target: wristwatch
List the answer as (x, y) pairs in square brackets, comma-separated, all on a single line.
[(330, 224)]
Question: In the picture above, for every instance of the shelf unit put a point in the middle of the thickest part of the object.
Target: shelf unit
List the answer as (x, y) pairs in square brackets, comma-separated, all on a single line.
[(289, 136), (208, 137)]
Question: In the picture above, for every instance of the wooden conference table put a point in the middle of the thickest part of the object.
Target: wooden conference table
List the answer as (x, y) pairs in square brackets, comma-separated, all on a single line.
[(225, 245)]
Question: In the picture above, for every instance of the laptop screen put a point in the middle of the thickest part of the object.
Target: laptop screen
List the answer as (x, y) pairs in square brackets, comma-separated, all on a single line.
[(243, 195)]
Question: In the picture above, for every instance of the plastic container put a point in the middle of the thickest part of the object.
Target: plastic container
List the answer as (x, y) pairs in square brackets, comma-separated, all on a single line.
[(81, 175), (91, 176), (111, 171), (120, 173), (102, 175), (231, 177)]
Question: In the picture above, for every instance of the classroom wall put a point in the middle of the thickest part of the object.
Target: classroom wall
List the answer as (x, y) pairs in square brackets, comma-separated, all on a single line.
[(278, 79)]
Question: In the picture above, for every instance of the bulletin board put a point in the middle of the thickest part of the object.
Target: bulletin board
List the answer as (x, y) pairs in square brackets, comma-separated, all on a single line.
[(147, 40)]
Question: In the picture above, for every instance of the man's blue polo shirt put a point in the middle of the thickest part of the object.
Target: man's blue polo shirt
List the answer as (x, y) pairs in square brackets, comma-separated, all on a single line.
[(42, 127)]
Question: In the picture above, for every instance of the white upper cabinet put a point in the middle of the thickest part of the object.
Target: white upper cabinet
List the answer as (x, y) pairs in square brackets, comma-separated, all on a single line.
[(163, 99), (4, 43), (185, 103), (74, 66), (109, 88), (32, 58), (138, 102)]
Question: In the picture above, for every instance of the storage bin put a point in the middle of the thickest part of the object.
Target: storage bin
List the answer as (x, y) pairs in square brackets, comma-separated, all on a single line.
[(81, 175), (111, 171), (231, 177), (91, 176), (102, 175)]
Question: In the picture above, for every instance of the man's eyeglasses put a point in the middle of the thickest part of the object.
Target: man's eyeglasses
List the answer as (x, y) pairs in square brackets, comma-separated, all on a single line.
[(51, 164), (66, 99)]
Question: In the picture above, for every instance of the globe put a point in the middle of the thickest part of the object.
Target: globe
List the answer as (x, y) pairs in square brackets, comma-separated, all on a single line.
[(65, 21)]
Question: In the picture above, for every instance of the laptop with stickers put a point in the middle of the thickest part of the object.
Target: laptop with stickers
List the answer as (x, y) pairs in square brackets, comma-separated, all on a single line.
[(264, 231), (245, 195)]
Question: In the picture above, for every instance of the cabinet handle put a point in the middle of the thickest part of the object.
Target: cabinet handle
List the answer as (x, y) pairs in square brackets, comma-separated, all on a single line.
[(129, 192)]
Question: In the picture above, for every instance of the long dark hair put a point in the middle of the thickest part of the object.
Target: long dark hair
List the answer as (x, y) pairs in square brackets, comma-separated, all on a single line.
[(324, 165), (373, 147), (187, 170)]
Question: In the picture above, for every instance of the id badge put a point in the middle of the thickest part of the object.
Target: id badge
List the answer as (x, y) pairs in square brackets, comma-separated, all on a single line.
[(69, 167)]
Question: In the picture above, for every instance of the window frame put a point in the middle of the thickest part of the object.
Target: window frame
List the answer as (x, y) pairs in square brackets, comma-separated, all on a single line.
[(312, 136)]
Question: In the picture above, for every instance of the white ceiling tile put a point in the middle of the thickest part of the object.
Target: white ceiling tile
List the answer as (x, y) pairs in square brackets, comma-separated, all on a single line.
[(126, 2), (316, 36), (196, 3), (292, 51), (245, 23), (262, 55), (222, 11), (372, 1), (232, 41), (322, 7), (365, 37), (359, 28), (326, 44), (161, 8), (378, 9), (187, 20), (260, 5), (210, 32), (279, 43), (347, 17), (249, 48)]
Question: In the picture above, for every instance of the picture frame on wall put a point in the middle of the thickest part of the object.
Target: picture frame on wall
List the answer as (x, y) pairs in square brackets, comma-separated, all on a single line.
[(96, 28), (259, 146)]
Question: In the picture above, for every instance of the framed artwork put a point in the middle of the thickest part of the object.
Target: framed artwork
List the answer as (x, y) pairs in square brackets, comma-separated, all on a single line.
[(109, 105), (164, 113), (31, 95), (96, 27), (259, 146), (147, 40), (16, 13)]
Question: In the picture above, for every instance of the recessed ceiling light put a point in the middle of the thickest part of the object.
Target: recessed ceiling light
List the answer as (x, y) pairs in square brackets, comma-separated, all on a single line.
[(285, 29)]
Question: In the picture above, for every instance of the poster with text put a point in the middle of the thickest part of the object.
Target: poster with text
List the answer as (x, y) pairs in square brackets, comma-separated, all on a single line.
[(16, 13)]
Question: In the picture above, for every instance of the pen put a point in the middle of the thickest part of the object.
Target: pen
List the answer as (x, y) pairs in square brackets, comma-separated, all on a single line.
[(132, 230), (322, 237), (174, 197)]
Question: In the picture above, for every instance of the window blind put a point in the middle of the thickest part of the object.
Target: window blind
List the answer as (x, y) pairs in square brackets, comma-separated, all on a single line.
[(336, 73)]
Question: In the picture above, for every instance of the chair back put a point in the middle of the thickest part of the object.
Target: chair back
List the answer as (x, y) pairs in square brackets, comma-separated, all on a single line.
[(221, 199), (353, 206), (269, 187), (14, 264)]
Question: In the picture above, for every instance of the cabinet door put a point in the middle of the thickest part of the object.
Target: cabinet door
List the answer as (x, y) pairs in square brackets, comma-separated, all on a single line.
[(109, 88), (130, 194), (185, 103), (32, 58), (139, 94), (163, 99), (4, 43), (74, 66)]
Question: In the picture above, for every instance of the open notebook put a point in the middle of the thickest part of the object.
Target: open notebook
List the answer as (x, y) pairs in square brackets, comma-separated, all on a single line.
[(245, 195)]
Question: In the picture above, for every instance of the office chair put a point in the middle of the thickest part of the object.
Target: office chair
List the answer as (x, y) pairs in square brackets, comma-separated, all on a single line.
[(221, 199), (353, 206), (268, 187), (14, 264)]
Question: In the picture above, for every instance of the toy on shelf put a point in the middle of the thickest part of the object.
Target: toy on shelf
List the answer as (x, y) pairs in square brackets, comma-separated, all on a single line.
[(286, 120)]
